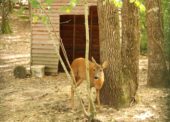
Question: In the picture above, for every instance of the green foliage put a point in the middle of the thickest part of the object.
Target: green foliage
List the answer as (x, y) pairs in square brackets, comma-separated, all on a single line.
[(41, 17), (117, 3), (44, 19), (72, 4), (34, 3), (35, 18), (49, 2), (131, 1), (139, 5), (21, 11)]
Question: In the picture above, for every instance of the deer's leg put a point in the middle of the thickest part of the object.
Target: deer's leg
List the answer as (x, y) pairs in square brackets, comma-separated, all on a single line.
[(98, 96), (79, 82)]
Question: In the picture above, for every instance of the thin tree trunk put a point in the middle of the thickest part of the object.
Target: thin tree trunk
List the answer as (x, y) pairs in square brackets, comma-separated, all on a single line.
[(91, 104), (157, 69)]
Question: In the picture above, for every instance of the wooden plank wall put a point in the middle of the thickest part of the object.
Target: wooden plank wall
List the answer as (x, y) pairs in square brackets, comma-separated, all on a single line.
[(42, 49), (72, 33)]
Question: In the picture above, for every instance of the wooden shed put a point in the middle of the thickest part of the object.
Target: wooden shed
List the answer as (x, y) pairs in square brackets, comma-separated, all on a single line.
[(70, 27)]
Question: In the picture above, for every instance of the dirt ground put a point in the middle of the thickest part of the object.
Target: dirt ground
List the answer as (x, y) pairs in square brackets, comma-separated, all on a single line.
[(47, 99)]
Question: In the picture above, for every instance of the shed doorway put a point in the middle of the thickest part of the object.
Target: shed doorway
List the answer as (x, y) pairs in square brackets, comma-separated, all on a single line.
[(72, 32)]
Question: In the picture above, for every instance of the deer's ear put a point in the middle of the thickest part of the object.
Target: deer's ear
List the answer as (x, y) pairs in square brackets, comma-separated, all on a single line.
[(105, 64), (93, 60)]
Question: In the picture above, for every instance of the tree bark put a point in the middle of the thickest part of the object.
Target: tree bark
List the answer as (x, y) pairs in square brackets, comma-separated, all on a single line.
[(11, 6), (167, 31), (130, 47), (157, 69), (5, 27), (110, 51), (121, 77)]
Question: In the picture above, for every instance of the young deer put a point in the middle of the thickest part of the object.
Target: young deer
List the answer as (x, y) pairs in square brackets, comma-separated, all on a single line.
[(96, 75)]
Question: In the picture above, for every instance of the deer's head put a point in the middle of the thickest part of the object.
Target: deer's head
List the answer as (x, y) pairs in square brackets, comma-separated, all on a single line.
[(98, 72)]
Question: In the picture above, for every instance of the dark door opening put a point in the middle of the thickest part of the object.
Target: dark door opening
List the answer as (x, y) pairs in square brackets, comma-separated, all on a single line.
[(72, 32)]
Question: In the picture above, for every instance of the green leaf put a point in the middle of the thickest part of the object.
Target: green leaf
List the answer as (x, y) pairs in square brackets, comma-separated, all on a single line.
[(137, 3), (35, 3), (69, 7), (49, 2), (68, 10), (44, 19), (142, 8), (132, 1), (21, 10), (117, 3), (73, 3), (35, 19)]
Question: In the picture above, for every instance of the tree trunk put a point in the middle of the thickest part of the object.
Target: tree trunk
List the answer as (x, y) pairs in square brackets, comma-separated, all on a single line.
[(130, 47), (157, 69), (166, 5), (5, 27), (112, 92), (11, 6), (121, 76)]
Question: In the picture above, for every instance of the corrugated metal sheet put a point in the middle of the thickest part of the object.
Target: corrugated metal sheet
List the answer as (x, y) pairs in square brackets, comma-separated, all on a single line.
[(8, 62), (42, 50)]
